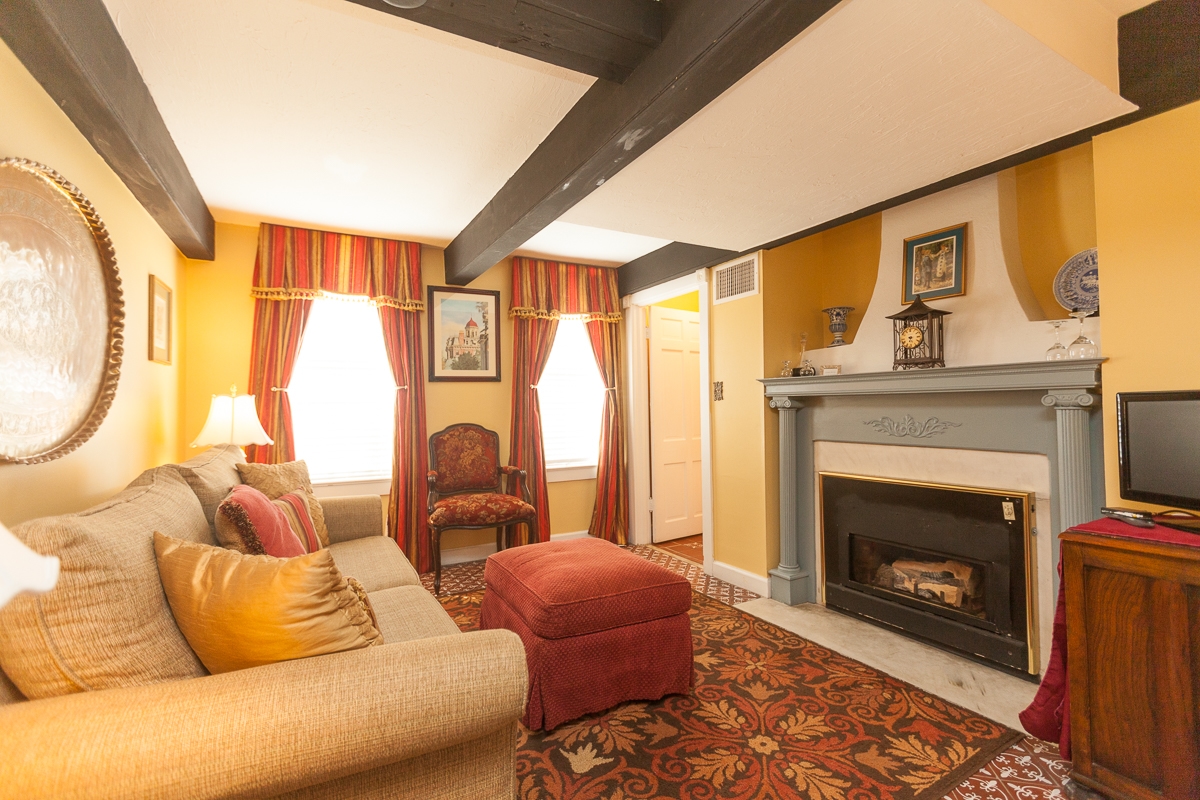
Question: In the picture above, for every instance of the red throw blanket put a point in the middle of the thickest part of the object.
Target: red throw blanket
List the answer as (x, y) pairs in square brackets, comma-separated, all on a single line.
[(1049, 715)]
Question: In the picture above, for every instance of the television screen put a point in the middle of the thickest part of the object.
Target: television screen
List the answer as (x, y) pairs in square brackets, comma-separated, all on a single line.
[(1158, 437)]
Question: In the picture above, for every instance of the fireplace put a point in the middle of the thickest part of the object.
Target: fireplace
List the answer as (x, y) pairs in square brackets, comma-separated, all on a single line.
[(945, 564)]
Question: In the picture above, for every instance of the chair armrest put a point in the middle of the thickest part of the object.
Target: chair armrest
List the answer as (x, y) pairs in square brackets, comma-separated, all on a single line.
[(267, 730), (431, 479), (516, 480), (353, 517)]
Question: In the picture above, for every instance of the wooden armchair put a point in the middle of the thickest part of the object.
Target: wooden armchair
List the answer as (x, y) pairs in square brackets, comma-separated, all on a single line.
[(465, 489)]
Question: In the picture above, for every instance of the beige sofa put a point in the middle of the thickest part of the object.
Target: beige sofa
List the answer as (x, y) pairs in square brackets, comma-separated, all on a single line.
[(432, 713)]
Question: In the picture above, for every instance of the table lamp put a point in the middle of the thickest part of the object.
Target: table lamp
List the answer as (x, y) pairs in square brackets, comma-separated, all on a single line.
[(232, 419), (22, 570)]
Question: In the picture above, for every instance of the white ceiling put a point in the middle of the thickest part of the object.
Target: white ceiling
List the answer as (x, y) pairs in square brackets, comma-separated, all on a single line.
[(878, 99), (325, 113)]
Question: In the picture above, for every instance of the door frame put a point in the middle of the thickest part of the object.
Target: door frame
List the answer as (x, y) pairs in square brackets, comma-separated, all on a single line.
[(638, 403)]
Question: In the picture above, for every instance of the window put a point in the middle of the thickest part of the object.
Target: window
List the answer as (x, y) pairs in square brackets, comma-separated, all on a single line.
[(343, 395), (571, 398)]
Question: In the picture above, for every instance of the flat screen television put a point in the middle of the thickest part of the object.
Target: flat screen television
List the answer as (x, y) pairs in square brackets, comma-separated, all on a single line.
[(1158, 447)]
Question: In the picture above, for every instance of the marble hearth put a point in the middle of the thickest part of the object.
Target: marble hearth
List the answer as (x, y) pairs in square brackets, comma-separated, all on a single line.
[(1028, 427)]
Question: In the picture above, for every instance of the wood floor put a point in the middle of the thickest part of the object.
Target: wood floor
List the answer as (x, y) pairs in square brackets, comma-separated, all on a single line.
[(690, 548)]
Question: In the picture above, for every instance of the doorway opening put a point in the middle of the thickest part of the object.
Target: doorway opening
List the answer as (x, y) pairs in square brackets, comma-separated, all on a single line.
[(670, 445)]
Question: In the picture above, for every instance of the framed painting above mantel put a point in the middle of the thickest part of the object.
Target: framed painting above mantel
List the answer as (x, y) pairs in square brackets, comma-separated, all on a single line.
[(935, 264), (464, 334)]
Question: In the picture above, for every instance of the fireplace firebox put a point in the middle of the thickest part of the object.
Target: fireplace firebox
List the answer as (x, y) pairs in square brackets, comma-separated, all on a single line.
[(945, 564)]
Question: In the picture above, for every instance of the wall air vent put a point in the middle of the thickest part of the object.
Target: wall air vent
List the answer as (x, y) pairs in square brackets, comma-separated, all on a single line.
[(735, 279)]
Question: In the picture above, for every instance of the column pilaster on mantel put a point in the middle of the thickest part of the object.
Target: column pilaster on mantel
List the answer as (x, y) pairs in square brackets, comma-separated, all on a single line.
[(792, 581), (1072, 408)]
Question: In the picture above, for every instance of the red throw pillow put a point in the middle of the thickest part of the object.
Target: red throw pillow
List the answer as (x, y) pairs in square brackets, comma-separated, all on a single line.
[(250, 523)]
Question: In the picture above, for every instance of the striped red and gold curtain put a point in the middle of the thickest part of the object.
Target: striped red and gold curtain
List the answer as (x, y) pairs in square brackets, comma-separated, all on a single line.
[(610, 516), (278, 331), (296, 265), (543, 292)]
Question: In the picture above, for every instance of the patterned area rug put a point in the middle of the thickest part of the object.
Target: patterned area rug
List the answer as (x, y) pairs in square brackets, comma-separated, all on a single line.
[(771, 716)]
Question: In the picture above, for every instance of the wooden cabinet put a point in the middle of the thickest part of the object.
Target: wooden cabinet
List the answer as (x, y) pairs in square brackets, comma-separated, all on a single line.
[(1133, 662)]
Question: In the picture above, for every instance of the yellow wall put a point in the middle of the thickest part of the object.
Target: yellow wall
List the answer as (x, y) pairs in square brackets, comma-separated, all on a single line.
[(1148, 225), (739, 486), (140, 430), (835, 268), (1056, 218), (219, 324), (684, 302)]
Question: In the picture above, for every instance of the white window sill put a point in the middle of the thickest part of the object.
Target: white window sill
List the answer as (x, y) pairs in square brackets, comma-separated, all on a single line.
[(569, 472), (352, 488)]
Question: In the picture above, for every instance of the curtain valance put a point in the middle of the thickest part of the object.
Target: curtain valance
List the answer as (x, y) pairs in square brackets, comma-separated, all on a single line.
[(297, 263), (551, 289)]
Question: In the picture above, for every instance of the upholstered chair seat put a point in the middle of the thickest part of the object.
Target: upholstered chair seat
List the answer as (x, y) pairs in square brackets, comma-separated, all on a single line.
[(479, 509), (465, 490)]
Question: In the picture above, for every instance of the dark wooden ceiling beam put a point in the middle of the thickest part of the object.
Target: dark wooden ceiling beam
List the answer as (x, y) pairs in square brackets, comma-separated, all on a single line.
[(1159, 51), (603, 38), (73, 49), (708, 46)]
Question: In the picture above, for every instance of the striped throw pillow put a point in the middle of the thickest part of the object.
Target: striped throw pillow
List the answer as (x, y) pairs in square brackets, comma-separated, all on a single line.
[(295, 506)]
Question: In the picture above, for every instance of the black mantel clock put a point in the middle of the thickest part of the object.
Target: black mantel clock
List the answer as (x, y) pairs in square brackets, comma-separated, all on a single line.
[(918, 334)]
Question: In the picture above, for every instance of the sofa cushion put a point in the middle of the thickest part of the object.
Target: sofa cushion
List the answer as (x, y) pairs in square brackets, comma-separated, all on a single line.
[(410, 612), (276, 480), (107, 623), (211, 475), (580, 586), (376, 561), (239, 611)]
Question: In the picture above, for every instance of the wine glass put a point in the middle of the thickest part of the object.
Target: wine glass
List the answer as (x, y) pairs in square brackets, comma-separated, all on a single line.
[(786, 372), (1057, 351), (1082, 347)]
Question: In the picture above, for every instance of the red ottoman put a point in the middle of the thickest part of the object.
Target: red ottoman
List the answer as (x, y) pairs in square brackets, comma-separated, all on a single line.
[(601, 626)]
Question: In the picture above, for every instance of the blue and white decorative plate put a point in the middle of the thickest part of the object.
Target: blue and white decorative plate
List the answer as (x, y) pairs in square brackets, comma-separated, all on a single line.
[(1077, 284)]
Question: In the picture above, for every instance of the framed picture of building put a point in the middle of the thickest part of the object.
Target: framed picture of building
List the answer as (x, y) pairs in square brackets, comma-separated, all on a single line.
[(464, 334), (935, 265)]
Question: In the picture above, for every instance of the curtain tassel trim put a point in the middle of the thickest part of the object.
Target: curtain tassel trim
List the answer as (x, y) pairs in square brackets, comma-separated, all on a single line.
[(533, 313), (314, 294)]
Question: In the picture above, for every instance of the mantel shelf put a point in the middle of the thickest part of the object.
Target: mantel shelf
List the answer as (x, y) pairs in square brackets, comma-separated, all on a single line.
[(1083, 374)]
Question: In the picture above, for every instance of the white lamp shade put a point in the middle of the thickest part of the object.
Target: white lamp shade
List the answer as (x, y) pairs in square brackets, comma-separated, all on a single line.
[(22, 570), (232, 420)]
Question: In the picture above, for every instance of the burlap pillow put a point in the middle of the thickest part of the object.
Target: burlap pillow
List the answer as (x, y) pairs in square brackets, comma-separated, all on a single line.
[(107, 623), (276, 480), (239, 611), (211, 475)]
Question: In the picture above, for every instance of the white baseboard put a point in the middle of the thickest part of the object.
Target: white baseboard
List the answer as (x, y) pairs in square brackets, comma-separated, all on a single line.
[(740, 577), (461, 555), (558, 537), (478, 552)]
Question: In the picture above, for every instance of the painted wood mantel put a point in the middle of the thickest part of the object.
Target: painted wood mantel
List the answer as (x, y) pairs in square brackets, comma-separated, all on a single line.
[(1001, 407)]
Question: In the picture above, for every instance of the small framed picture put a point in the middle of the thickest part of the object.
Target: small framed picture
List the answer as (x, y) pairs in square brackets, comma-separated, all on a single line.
[(831, 369), (464, 334), (935, 264), (160, 322)]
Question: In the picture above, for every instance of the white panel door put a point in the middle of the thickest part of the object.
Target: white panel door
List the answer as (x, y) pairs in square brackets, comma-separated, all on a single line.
[(675, 423)]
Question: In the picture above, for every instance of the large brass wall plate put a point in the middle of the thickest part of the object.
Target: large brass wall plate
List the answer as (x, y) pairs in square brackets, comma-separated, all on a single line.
[(61, 315)]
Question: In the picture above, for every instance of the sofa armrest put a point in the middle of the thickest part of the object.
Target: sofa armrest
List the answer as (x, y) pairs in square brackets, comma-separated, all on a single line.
[(353, 517), (267, 730)]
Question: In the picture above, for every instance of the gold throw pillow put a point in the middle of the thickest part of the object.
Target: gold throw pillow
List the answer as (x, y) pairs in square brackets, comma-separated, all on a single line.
[(238, 611), (276, 480)]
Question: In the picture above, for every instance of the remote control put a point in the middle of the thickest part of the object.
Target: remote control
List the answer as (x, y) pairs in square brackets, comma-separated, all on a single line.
[(1142, 519)]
